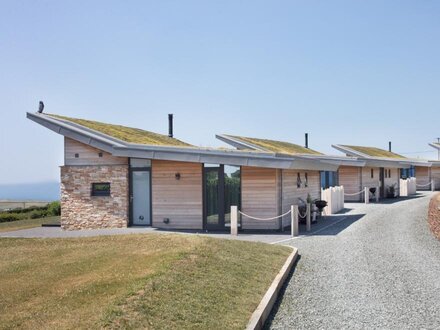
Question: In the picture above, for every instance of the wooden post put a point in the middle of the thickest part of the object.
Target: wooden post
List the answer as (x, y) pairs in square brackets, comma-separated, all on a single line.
[(234, 220), (377, 194), (367, 195), (294, 218), (308, 219)]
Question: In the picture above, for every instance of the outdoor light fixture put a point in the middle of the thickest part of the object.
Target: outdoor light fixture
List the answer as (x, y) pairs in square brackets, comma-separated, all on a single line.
[(177, 175), (166, 220)]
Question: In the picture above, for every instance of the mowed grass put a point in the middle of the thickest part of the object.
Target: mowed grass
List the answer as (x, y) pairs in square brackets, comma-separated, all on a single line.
[(154, 281), (27, 223)]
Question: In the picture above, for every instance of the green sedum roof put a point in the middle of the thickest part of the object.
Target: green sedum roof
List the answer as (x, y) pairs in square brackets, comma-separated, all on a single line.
[(127, 134), (375, 152), (276, 146)]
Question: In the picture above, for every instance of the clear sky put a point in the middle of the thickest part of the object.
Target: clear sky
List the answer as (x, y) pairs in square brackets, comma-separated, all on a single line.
[(350, 72)]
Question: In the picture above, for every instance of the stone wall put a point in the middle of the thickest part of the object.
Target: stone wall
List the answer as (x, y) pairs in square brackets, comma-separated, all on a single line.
[(80, 210)]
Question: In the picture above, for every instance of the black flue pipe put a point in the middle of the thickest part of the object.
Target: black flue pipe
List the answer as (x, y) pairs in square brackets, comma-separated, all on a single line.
[(170, 125), (307, 140), (389, 146)]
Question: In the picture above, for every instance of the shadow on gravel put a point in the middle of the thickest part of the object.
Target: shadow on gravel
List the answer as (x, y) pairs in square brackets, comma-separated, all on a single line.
[(333, 225), (281, 295), (399, 199)]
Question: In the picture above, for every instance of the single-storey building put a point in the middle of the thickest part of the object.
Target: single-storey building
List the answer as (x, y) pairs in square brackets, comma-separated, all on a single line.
[(435, 168), (382, 169), (117, 176)]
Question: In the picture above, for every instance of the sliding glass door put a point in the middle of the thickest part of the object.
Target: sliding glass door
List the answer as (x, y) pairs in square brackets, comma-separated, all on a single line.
[(222, 188)]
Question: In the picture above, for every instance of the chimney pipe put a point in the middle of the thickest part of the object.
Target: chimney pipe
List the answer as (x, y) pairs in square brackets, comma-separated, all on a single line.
[(170, 125), (307, 140), (389, 146)]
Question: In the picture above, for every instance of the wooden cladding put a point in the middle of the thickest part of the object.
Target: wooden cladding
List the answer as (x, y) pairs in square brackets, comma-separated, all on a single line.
[(423, 176), (179, 200), (259, 197), (350, 177), (269, 192), (77, 153)]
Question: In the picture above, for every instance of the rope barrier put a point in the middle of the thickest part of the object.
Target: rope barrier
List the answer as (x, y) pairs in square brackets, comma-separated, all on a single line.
[(302, 215), (354, 193), (264, 219), (423, 185)]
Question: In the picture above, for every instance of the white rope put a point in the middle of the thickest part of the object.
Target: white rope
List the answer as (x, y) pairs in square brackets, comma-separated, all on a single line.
[(264, 219), (302, 215), (354, 193), (423, 185)]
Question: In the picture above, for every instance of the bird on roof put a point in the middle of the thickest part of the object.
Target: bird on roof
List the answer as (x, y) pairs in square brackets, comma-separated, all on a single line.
[(41, 107)]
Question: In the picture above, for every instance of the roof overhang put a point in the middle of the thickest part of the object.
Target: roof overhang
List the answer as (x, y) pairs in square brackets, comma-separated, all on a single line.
[(188, 154), (381, 161), (435, 145)]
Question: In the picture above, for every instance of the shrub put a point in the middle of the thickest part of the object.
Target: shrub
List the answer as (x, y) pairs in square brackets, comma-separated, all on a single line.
[(54, 208), (38, 214), (7, 217)]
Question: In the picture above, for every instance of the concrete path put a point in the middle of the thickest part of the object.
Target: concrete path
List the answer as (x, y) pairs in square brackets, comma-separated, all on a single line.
[(377, 270), (265, 237)]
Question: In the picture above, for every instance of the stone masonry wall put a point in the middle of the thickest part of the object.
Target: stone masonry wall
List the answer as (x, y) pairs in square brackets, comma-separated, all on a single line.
[(80, 210)]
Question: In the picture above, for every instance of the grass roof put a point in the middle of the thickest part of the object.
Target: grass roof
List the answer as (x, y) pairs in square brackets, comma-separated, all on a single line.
[(374, 152), (127, 134), (276, 146)]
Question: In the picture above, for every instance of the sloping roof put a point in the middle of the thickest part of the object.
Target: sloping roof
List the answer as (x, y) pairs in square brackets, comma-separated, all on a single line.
[(127, 134), (374, 152), (281, 147), (435, 145), (120, 148)]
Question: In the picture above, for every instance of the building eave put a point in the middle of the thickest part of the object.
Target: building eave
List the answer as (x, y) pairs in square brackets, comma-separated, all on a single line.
[(188, 154)]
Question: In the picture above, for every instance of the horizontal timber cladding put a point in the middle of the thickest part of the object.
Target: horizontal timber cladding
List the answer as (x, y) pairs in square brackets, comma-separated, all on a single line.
[(179, 200), (291, 192), (423, 176), (350, 178), (77, 153), (367, 180), (259, 197), (392, 180), (435, 175)]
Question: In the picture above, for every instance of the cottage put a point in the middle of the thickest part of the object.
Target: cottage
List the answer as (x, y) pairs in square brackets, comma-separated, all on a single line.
[(382, 169), (117, 176)]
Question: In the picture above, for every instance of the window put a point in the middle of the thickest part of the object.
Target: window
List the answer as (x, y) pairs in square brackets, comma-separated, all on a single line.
[(298, 180), (372, 173), (100, 189), (389, 173), (306, 180), (386, 173)]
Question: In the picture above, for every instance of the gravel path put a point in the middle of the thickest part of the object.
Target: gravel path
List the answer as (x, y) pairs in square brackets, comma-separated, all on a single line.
[(379, 271)]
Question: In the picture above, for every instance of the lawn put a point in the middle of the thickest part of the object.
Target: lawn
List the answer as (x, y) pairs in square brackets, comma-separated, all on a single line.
[(152, 281), (26, 223)]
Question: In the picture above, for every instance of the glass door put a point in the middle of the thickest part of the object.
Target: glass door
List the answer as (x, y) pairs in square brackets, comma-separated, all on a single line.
[(213, 209), (222, 188), (140, 198)]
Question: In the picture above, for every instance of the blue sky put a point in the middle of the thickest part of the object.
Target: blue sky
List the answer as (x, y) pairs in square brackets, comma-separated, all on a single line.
[(353, 72)]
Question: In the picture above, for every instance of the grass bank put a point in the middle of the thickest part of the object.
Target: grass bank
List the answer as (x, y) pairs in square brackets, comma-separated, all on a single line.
[(27, 223), (434, 215), (135, 281)]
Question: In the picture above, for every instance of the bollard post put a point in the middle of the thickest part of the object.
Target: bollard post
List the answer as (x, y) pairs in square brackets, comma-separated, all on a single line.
[(377, 194), (367, 195), (308, 219), (234, 220), (294, 219)]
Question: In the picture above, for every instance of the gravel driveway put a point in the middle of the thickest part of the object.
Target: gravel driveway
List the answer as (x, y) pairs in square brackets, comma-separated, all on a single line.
[(381, 270)]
